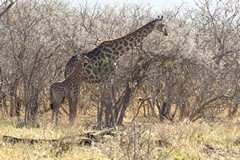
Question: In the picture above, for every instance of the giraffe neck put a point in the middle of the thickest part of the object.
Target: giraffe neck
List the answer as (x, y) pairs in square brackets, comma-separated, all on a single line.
[(135, 38), (76, 74), (118, 47)]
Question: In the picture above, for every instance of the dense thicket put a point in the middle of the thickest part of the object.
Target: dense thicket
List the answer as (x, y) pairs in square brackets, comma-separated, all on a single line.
[(192, 73)]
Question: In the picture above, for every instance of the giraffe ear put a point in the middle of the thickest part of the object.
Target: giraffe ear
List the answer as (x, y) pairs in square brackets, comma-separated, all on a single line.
[(160, 20)]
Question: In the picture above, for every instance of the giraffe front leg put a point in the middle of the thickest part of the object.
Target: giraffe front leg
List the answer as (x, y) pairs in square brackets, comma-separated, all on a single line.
[(72, 109), (56, 111), (99, 116), (53, 110), (113, 124)]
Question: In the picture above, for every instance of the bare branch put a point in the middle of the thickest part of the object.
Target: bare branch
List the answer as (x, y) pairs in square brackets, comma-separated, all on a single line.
[(7, 8)]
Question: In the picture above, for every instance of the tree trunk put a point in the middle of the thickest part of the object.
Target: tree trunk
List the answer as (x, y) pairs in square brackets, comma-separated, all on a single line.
[(124, 103), (13, 97), (3, 103)]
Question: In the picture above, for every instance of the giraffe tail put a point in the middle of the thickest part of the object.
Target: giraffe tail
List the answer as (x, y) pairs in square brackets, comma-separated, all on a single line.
[(63, 100), (51, 106), (51, 98)]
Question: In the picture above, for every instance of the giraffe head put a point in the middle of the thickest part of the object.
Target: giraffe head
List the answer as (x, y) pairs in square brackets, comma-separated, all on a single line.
[(159, 25)]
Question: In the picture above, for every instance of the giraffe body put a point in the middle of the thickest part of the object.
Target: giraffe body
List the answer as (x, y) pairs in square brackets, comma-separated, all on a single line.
[(101, 60)]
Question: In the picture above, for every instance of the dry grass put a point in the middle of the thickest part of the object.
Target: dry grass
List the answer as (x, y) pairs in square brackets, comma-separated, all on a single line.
[(182, 140)]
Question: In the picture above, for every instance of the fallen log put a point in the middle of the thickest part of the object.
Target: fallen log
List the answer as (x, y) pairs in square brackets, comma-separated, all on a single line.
[(14, 140), (83, 139)]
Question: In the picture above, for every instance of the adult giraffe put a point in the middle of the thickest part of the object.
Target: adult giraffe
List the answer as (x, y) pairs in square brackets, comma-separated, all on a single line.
[(101, 60)]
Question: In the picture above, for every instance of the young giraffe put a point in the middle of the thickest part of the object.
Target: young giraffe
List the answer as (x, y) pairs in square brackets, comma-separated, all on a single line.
[(68, 88), (101, 59)]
